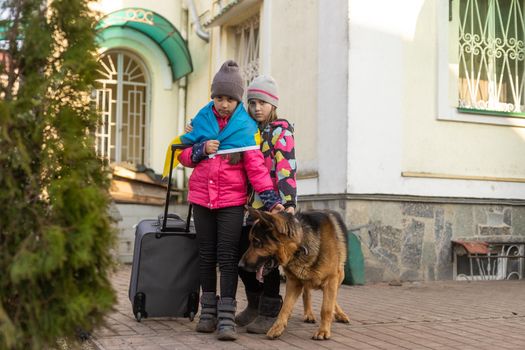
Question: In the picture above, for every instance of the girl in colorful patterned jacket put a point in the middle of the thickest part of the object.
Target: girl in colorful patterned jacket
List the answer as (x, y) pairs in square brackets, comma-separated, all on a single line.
[(218, 190), (278, 147)]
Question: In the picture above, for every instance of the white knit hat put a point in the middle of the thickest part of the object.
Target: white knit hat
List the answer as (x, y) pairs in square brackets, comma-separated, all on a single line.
[(264, 88)]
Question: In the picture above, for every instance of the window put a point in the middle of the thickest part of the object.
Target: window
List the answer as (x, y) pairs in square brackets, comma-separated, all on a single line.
[(499, 262), (481, 61), (121, 99), (491, 56), (247, 40)]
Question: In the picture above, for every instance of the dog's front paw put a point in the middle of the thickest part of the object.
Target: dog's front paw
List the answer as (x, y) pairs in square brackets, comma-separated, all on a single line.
[(321, 334), (276, 331), (309, 318), (342, 318)]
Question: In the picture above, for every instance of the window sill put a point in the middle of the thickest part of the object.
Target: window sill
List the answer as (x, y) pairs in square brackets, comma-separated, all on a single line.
[(482, 117)]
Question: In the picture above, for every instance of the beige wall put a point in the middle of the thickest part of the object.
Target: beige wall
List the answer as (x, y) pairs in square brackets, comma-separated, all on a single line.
[(168, 9), (198, 88), (294, 60), (290, 45), (437, 146), (394, 85)]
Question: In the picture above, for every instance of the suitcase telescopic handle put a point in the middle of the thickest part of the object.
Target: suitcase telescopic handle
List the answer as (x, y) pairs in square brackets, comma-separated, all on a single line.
[(174, 147)]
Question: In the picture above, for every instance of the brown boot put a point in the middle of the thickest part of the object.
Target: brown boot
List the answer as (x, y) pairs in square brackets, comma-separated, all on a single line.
[(226, 328), (252, 310), (208, 319), (268, 310)]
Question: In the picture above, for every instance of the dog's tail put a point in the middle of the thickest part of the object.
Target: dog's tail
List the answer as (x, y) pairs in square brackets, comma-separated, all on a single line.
[(341, 224)]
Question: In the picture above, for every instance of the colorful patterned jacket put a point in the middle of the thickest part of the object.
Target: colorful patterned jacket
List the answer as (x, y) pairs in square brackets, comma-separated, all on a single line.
[(278, 148)]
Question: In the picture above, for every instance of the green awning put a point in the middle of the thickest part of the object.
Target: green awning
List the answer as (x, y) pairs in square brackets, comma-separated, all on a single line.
[(159, 30)]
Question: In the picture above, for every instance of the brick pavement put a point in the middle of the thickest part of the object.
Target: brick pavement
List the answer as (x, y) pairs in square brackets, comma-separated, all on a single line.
[(434, 315)]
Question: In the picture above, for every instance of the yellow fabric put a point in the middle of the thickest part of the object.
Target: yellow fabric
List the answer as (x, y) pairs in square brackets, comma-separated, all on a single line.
[(166, 170), (285, 172), (257, 137)]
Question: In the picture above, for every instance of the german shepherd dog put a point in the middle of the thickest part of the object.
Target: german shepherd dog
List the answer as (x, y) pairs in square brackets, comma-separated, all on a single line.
[(311, 248)]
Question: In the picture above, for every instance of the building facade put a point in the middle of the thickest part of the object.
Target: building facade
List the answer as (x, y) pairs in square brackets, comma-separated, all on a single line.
[(409, 116)]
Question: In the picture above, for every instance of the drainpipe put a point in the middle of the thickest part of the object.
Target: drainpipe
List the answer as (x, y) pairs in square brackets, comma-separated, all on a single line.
[(180, 172), (196, 23)]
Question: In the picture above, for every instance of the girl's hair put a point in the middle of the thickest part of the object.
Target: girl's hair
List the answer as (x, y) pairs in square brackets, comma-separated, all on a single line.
[(233, 158), (273, 115)]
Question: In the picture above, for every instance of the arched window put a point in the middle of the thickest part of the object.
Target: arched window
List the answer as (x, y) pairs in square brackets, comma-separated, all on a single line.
[(121, 99)]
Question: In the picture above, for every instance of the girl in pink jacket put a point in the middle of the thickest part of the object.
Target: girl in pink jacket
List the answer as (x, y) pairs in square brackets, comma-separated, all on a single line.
[(218, 188)]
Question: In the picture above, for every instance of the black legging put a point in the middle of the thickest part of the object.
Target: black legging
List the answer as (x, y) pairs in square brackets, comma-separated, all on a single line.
[(270, 287), (218, 235)]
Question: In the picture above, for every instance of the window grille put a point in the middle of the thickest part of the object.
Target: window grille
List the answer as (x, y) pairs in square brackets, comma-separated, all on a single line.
[(247, 38), (500, 262), (121, 101), (492, 55)]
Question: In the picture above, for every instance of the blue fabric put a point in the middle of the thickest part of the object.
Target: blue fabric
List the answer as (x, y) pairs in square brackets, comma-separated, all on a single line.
[(239, 135), (241, 131)]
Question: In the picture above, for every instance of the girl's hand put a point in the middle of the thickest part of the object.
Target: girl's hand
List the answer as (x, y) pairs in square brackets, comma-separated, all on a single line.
[(188, 128), (290, 210), (212, 146), (279, 207)]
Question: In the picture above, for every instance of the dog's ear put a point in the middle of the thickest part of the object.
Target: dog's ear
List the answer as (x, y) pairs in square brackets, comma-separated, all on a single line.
[(259, 214), (256, 214), (280, 222)]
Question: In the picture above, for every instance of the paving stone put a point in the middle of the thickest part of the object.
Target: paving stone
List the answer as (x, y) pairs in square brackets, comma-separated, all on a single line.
[(432, 315)]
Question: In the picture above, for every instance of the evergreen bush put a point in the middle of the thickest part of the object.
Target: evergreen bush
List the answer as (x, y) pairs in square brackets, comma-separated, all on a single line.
[(55, 230)]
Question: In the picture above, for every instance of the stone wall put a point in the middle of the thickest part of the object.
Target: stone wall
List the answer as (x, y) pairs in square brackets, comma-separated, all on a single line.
[(409, 238)]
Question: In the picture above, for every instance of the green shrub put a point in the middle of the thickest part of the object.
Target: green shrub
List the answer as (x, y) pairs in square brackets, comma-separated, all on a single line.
[(55, 230)]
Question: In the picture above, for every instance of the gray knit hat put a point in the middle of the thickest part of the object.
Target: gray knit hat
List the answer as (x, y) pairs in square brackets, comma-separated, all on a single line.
[(264, 88), (228, 81)]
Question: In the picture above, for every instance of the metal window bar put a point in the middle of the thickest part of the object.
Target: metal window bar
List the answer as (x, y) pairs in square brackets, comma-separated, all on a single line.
[(248, 48), (492, 55)]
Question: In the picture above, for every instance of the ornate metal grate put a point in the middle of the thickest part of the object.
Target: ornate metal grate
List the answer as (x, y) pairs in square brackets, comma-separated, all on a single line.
[(492, 55), (500, 261), (247, 34), (121, 101)]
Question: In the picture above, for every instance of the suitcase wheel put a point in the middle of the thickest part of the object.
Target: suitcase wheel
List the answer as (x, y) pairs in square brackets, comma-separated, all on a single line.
[(193, 305), (139, 306)]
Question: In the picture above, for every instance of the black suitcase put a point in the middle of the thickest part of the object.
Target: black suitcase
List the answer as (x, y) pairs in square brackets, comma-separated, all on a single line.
[(165, 271)]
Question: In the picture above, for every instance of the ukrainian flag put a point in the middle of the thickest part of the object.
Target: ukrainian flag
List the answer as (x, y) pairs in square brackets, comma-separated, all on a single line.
[(239, 135)]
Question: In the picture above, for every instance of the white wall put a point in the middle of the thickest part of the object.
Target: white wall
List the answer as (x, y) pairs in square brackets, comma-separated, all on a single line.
[(332, 92), (393, 112)]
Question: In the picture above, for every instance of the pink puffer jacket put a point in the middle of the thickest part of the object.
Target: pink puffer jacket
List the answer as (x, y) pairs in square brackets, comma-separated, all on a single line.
[(217, 184)]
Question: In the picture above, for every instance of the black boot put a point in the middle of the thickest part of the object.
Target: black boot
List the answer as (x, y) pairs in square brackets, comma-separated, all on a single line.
[(252, 310), (268, 310), (208, 319), (226, 327)]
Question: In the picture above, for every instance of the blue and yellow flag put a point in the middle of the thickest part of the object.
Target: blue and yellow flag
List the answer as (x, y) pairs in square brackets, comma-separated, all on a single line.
[(240, 134)]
